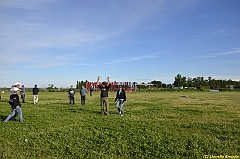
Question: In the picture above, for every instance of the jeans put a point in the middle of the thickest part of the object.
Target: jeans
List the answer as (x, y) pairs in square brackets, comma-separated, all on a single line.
[(120, 108), (23, 97), (18, 110), (13, 118)]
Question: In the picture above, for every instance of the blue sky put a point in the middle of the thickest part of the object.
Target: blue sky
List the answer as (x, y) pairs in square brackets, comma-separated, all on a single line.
[(61, 41)]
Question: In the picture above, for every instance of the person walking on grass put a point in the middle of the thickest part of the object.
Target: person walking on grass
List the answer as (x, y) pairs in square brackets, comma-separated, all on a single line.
[(120, 100), (12, 91), (71, 95), (83, 93), (35, 91), (23, 93), (104, 87), (91, 90), (16, 106)]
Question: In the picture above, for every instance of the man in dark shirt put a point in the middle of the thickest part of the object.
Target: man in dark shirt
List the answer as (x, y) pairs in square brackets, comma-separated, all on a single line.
[(35, 94), (104, 94), (71, 95)]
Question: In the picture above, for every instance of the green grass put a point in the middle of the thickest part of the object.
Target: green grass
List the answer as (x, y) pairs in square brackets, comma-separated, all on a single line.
[(155, 125)]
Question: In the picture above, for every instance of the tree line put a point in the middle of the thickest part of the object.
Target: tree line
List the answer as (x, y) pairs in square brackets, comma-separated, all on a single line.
[(80, 84), (179, 81), (197, 82), (183, 81)]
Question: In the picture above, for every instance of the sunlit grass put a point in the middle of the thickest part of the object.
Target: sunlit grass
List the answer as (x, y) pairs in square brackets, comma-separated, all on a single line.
[(155, 125)]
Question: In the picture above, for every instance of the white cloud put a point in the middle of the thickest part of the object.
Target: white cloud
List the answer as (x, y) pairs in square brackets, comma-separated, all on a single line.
[(32, 31), (24, 4), (132, 59), (45, 64), (235, 51)]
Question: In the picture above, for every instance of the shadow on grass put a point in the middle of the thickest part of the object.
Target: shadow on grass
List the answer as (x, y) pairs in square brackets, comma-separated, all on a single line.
[(3, 117), (5, 101)]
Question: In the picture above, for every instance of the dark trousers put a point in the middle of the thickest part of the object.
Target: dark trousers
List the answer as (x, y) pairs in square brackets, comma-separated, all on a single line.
[(83, 100), (71, 100), (23, 97)]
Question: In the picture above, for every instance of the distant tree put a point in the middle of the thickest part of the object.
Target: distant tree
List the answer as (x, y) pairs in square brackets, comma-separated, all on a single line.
[(80, 84), (134, 84), (156, 84), (164, 85), (179, 81), (189, 82), (209, 78), (50, 87), (169, 86), (77, 85), (200, 82)]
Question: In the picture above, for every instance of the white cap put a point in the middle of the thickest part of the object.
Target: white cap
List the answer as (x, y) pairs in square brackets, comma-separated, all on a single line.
[(17, 83), (16, 89)]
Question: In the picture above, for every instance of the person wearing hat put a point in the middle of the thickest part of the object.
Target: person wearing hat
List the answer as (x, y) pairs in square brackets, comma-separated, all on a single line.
[(35, 91), (104, 94), (12, 91), (120, 100), (17, 84), (16, 106)]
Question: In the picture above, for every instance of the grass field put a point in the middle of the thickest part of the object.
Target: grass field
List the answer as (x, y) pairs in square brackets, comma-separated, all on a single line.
[(155, 125)]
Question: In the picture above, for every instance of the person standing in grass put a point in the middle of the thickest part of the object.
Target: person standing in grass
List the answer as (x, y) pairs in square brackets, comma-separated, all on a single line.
[(91, 90), (71, 95), (23, 93), (16, 106), (120, 100), (104, 94), (35, 91), (83, 93)]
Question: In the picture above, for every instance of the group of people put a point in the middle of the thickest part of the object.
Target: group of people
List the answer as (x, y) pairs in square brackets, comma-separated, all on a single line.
[(104, 87), (15, 102), (71, 95), (119, 100)]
